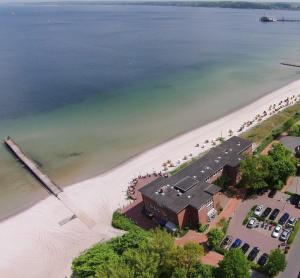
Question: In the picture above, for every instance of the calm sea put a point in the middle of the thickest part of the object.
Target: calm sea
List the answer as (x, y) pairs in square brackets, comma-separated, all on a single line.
[(83, 88)]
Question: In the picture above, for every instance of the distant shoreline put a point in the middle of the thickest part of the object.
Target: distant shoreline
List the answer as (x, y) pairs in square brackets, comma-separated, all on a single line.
[(204, 4)]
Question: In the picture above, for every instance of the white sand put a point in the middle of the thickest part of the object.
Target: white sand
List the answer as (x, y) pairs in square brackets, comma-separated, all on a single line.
[(33, 244)]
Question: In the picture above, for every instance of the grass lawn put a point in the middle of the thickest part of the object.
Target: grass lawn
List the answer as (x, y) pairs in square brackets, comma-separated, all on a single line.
[(261, 131)]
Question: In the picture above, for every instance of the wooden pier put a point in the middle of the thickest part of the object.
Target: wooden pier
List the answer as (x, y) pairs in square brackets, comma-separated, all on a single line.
[(32, 167), (290, 65), (50, 186)]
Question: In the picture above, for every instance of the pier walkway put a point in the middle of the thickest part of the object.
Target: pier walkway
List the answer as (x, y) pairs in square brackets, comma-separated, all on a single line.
[(48, 183), (33, 168)]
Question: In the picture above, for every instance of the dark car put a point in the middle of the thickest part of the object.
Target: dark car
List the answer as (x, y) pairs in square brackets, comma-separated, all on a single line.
[(227, 240), (274, 214), (237, 243), (263, 259), (253, 253), (266, 212), (261, 191), (245, 248), (294, 200), (283, 218), (272, 193)]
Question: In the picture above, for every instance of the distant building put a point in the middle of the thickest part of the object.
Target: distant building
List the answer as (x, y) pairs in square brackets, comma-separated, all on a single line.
[(190, 197)]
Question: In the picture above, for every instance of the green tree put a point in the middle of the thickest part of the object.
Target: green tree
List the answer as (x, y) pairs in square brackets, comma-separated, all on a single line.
[(143, 263), (294, 130), (179, 272), (254, 171), (234, 265), (188, 256), (276, 263), (204, 271), (214, 237), (86, 264), (114, 269), (162, 243)]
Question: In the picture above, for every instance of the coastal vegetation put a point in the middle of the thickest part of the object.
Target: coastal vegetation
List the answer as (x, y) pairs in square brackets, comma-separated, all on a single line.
[(262, 171), (270, 129)]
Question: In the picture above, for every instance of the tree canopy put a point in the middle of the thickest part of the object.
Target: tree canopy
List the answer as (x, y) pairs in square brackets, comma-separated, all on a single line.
[(215, 237), (276, 263), (273, 170), (234, 265), (139, 253)]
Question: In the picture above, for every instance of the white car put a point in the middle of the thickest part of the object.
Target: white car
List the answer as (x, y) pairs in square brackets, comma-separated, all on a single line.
[(276, 231), (258, 210), (251, 222)]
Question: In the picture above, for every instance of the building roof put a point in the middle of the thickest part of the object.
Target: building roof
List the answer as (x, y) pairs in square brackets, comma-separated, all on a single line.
[(290, 142), (189, 186)]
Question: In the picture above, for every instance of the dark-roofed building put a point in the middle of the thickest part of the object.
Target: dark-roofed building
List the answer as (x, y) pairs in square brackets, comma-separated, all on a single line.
[(190, 197)]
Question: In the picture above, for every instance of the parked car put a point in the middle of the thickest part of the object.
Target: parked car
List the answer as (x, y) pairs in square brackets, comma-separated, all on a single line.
[(253, 253), (294, 200), (251, 222), (245, 248), (285, 234), (227, 240), (258, 210), (272, 193), (237, 243), (261, 191), (283, 218), (266, 212), (291, 222), (263, 259), (274, 214), (276, 231)]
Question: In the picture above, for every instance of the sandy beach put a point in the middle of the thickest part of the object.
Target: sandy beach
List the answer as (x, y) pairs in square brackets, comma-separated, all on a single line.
[(40, 242)]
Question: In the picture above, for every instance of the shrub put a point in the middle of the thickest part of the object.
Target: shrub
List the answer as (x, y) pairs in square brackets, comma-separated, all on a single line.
[(294, 233), (202, 228), (249, 214), (220, 250), (121, 222)]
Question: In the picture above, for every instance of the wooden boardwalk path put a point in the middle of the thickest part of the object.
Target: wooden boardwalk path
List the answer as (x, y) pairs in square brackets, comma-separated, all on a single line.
[(48, 183), (33, 168)]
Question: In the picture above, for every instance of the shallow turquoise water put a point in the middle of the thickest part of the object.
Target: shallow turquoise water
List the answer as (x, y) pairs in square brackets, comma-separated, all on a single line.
[(115, 91)]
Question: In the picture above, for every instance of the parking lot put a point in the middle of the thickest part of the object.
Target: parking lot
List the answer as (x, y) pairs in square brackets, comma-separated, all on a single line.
[(260, 237)]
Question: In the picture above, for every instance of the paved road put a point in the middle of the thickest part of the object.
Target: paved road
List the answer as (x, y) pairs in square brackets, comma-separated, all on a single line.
[(293, 258)]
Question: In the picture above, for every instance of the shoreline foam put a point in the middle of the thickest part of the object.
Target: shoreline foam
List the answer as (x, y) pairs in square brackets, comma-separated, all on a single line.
[(35, 242)]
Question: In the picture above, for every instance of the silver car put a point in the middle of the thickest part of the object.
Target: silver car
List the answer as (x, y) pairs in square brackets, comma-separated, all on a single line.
[(285, 234)]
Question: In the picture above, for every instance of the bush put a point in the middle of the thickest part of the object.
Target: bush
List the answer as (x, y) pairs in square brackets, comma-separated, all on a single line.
[(202, 228), (220, 250), (294, 233), (224, 224), (121, 222)]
